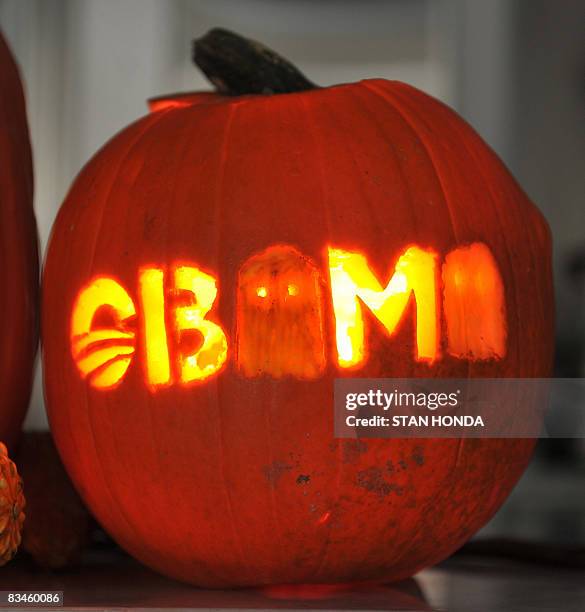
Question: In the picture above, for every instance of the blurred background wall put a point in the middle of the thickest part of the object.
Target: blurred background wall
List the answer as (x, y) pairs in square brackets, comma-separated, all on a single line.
[(514, 68)]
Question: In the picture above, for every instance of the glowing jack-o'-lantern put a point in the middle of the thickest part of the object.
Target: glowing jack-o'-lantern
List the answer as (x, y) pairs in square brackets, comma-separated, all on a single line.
[(280, 316), (19, 268), (221, 261)]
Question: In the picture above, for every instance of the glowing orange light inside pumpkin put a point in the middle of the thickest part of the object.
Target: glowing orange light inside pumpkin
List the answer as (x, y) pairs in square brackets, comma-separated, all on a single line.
[(152, 302), (102, 353), (474, 304), (280, 334), (211, 355), (351, 278)]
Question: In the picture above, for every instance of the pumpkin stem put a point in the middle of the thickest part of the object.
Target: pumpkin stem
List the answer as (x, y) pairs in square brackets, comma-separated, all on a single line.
[(237, 66)]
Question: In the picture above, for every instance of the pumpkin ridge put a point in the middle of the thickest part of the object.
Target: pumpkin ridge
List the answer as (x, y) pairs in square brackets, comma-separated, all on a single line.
[(219, 206), (339, 465), (105, 199)]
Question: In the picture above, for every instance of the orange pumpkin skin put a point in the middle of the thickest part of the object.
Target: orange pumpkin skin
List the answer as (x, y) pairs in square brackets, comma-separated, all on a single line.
[(12, 505), (19, 268), (239, 481)]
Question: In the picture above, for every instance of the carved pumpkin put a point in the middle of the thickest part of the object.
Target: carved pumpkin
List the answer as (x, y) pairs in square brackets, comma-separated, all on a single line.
[(18, 254), (221, 261)]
